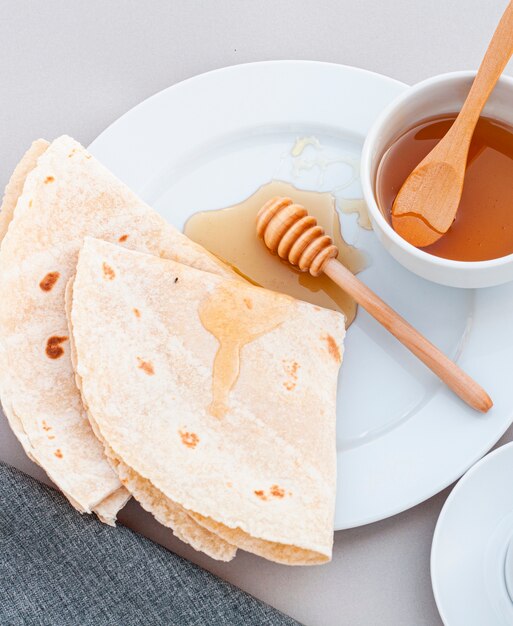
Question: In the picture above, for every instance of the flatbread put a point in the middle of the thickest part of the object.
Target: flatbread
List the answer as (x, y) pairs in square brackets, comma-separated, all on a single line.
[(219, 394), (108, 508), (63, 194)]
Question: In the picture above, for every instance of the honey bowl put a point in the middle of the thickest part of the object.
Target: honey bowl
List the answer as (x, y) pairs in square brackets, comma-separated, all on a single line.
[(477, 251)]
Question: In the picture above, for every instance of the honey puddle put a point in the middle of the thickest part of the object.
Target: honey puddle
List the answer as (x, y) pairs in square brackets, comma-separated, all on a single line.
[(230, 235), (235, 320), (356, 206), (321, 162)]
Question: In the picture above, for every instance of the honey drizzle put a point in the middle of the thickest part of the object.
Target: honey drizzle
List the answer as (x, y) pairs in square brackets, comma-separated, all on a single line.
[(230, 235), (236, 318)]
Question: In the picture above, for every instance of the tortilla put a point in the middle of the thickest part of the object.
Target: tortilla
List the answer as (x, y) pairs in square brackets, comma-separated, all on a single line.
[(64, 194), (108, 508), (219, 394)]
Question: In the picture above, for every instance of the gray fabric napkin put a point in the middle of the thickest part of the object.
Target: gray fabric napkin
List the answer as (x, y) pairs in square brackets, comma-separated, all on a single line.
[(60, 568)]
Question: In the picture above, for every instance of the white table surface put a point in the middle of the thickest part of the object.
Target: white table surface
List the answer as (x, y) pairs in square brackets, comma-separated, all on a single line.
[(74, 67)]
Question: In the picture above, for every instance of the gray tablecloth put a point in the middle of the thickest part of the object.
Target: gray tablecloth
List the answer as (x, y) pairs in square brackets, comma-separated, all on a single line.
[(60, 568)]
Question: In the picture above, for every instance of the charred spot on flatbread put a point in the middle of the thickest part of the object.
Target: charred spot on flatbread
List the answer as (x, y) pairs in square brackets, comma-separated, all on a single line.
[(54, 350), (277, 491), (49, 179), (48, 282), (123, 238), (291, 369), (190, 440), (108, 272), (146, 366), (333, 348)]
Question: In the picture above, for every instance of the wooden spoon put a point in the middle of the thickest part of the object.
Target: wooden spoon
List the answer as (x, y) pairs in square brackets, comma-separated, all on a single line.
[(290, 232), (426, 204)]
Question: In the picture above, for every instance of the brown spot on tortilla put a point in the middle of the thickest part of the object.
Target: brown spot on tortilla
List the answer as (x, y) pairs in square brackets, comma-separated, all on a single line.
[(49, 179), (277, 492), (137, 313), (146, 366), (248, 302), (88, 156), (108, 272), (123, 238), (48, 282), (30, 203), (229, 485), (72, 153), (51, 436), (58, 453), (291, 370), (53, 347), (45, 426), (190, 440), (333, 348), (176, 280)]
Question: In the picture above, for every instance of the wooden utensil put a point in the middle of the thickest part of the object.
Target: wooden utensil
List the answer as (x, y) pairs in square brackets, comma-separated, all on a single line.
[(426, 204), (290, 232)]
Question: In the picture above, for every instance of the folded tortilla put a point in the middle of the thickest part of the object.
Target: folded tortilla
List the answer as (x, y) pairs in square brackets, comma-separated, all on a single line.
[(218, 394), (57, 194)]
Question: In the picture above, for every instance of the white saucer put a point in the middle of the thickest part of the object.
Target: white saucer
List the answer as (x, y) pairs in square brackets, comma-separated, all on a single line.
[(472, 553), (210, 142)]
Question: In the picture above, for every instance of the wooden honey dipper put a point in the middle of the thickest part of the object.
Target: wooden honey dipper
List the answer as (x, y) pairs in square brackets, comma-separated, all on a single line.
[(292, 234)]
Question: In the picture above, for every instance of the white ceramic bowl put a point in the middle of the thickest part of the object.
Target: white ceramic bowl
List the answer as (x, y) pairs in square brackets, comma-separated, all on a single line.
[(440, 94)]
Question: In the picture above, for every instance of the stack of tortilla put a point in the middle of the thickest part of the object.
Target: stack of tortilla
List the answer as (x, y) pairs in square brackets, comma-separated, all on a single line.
[(133, 362)]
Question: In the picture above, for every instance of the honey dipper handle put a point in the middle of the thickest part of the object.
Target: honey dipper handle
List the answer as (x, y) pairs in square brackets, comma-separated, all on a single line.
[(453, 376)]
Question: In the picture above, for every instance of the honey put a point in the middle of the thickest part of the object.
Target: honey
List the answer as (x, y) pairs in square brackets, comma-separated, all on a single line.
[(230, 234), (483, 227), (221, 315), (358, 206)]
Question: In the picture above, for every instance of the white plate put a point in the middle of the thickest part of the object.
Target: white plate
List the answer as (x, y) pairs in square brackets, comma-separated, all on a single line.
[(213, 140), (472, 553)]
